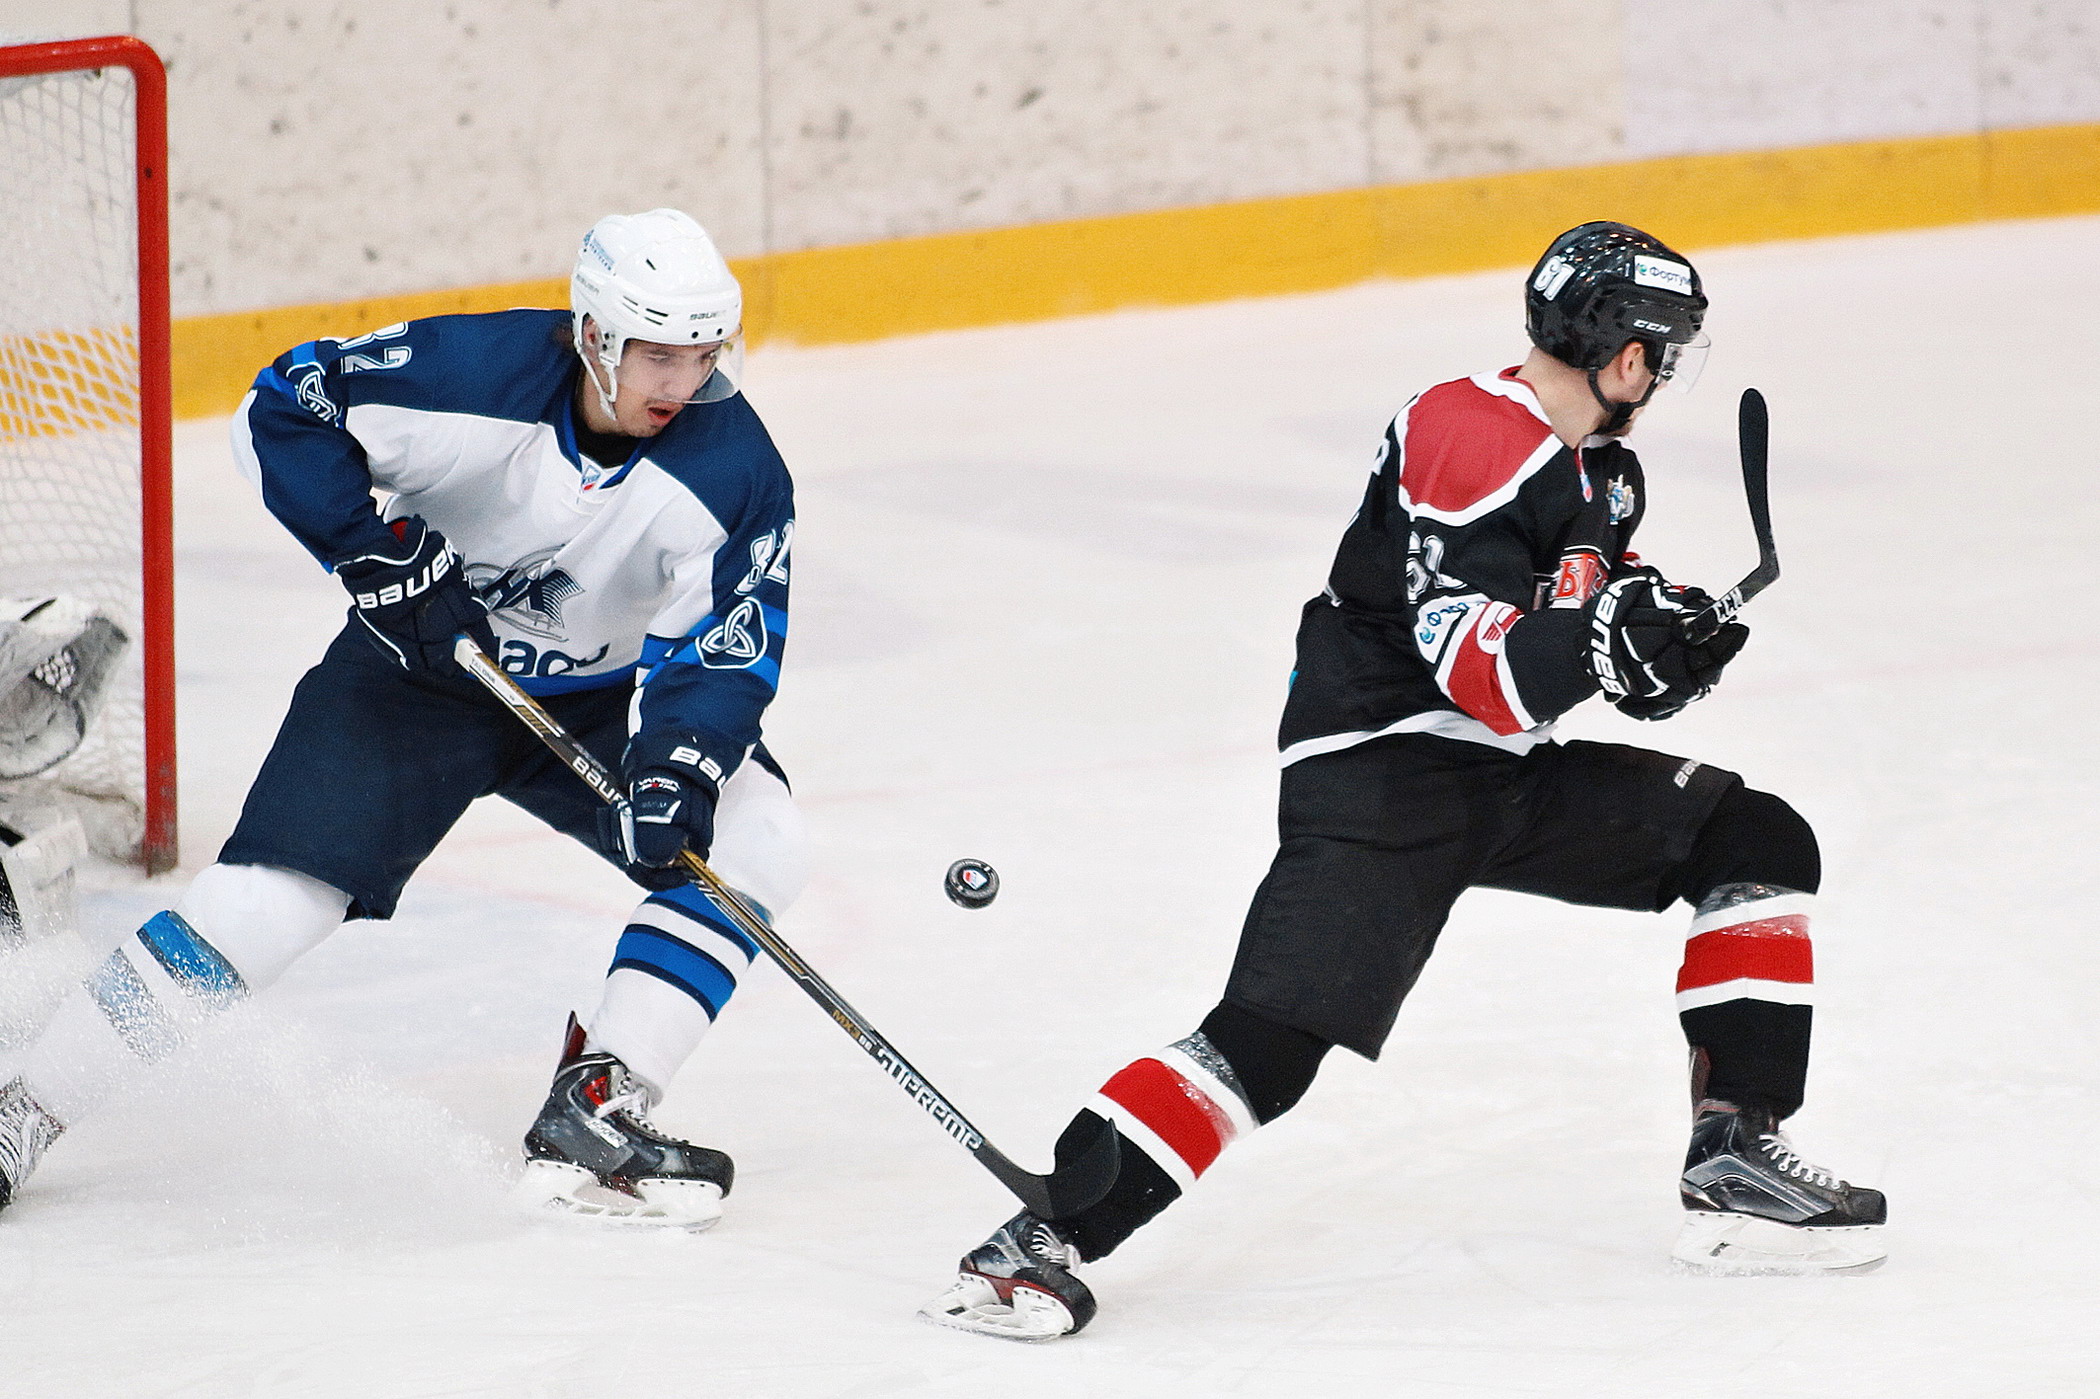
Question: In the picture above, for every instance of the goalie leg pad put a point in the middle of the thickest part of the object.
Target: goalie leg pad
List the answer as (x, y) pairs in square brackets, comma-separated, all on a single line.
[(56, 655), (36, 878)]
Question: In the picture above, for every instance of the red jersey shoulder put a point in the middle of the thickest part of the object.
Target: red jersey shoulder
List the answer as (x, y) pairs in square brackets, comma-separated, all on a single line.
[(1465, 449)]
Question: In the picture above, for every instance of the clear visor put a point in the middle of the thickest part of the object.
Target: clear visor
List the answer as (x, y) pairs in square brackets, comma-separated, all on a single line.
[(684, 373), (1681, 364)]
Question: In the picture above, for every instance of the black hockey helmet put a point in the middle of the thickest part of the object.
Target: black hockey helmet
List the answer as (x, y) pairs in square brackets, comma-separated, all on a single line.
[(1602, 284)]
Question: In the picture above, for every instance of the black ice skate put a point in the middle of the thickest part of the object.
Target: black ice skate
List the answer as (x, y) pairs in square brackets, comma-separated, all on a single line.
[(594, 1154), (1754, 1206), (1017, 1284), (25, 1130)]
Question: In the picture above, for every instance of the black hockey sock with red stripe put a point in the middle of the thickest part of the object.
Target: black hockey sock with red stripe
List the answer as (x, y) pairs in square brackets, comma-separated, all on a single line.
[(1745, 990), (1177, 1110)]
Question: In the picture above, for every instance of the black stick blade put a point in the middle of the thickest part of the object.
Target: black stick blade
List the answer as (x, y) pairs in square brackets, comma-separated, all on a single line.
[(1072, 1186), (1754, 435)]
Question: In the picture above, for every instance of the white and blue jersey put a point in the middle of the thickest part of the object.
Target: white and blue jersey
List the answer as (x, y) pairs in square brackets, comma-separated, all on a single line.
[(671, 568)]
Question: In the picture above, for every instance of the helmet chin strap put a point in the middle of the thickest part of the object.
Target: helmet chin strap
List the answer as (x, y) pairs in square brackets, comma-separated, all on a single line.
[(610, 386), (1618, 415)]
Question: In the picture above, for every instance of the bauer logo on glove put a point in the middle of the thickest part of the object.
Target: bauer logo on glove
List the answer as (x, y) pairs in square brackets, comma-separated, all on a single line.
[(415, 601), (672, 786), (1639, 651)]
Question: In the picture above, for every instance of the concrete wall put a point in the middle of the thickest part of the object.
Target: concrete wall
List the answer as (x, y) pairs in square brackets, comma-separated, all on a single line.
[(341, 149)]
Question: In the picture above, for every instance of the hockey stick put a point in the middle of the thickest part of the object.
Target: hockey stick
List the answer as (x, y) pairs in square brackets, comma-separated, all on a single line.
[(1753, 432), (1064, 1192)]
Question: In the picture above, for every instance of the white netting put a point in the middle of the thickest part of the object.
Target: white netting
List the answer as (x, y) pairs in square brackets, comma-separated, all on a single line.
[(69, 403)]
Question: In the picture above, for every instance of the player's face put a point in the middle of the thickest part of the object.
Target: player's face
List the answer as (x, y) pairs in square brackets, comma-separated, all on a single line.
[(1627, 379), (657, 382)]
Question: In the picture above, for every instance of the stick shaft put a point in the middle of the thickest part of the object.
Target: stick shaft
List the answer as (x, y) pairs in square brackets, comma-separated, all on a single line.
[(1036, 1192), (1753, 435)]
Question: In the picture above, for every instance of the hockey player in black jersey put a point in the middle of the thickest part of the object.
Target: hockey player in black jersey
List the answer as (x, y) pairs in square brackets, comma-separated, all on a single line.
[(1487, 586)]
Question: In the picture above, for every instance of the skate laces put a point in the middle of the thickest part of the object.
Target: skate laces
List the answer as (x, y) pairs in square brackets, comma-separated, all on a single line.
[(1790, 1162), (624, 1092), (632, 1101), (632, 1098)]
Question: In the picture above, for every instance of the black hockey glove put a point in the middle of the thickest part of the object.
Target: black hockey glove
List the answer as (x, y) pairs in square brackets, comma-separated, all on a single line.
[(1638, 649), (415, 600), (672, 787)]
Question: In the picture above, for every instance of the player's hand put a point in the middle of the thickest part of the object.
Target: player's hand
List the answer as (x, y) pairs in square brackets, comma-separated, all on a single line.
[(671, 792), (415, 600), (1638, 650)]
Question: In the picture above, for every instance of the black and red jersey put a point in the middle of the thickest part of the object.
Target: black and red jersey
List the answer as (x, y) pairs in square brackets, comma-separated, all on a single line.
[(1456, 602)]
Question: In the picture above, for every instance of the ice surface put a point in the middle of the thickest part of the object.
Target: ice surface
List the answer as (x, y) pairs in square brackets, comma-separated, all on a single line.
[(1046, 583)]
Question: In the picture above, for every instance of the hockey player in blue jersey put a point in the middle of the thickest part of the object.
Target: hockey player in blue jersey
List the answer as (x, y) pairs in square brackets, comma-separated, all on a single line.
[(589, 497)]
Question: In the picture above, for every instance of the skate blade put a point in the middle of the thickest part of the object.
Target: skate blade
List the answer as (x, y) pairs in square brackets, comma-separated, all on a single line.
[(972, 1304), (1719, 1244), (572, 1193)]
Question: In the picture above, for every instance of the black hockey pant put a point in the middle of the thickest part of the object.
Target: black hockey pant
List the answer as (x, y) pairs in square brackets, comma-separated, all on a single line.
[(1594, 824)]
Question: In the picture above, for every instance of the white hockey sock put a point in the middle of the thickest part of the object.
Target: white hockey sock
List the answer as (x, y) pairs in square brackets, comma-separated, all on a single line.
[(647, 1025), (679, 958), (261, 919), (234, 930), (674, 970)]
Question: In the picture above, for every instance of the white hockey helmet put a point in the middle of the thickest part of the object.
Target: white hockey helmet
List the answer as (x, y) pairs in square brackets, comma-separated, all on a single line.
[(656, 277)]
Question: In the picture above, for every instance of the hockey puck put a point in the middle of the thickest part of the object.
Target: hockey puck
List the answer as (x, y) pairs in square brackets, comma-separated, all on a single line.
[(972, 883)]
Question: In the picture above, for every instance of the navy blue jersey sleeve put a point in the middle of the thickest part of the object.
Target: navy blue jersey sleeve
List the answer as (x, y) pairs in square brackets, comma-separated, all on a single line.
[(305, 434), (710, 682), (292, 437)]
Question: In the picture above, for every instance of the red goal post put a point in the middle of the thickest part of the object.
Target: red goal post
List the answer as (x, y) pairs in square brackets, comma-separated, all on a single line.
[(85, 420)]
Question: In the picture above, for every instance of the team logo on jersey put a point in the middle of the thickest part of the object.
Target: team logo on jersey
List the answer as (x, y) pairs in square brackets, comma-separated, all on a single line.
[(738, 640), (1620, 499), (1435, 626), (527, 596), (1581, 575), (309, 384)]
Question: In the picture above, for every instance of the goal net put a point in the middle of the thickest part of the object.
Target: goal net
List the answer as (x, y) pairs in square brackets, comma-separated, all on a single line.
[(84, 412)]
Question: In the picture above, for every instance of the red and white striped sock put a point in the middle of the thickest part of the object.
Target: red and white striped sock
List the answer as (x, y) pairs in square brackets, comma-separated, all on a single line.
[(1180, 1107), (1753, 949)]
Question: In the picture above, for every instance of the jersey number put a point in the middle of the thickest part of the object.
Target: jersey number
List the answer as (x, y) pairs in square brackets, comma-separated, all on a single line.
[(393, 357)]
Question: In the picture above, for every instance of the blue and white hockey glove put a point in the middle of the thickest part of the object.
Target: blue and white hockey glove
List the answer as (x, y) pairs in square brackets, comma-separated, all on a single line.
[(1638, 651), (415, 600), (672, 787)]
